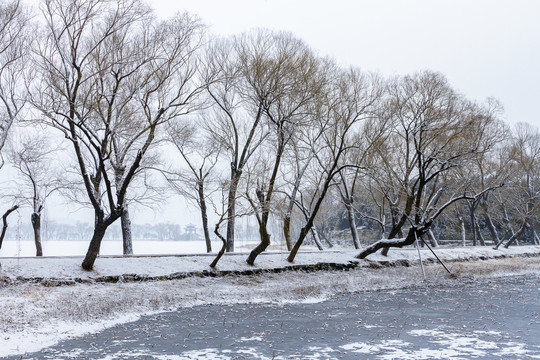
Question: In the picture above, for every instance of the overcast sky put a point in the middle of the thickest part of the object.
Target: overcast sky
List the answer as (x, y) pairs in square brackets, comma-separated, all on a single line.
[(485, 48)]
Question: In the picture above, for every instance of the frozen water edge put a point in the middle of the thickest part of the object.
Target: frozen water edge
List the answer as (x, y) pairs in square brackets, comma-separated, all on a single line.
[(48, 315)]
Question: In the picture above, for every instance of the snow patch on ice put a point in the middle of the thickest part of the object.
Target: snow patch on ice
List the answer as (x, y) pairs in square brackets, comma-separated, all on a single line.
[(51, 333)]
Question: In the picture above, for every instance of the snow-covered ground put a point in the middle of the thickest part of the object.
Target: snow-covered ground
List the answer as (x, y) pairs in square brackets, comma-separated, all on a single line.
[(24, 248), (34, 316)]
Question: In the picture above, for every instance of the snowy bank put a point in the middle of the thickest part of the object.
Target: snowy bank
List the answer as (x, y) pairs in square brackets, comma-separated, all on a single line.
[(67, 270)]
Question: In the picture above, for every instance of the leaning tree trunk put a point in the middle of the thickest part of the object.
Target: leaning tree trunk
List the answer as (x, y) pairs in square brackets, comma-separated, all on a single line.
[(516, 235), (265, 242), (95, 245), (411, 237), (316, 238), (432, 239), (352, 225), (5, 223), (536, 239), (479, 233), (35, 218), (223, 246), (127, 241), (491, 227)]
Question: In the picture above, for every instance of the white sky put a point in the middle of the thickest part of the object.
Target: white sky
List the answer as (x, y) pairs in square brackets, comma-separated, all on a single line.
[(486, 48)]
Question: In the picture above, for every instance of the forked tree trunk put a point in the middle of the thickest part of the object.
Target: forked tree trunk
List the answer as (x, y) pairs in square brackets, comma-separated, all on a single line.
[(35, 218), (95, 245), (265, 202), (287, 232), (127, 241), (303, 233)]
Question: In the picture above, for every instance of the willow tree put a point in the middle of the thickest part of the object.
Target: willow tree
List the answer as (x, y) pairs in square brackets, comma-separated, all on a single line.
[(432, 130), (110, 76), (347, 101), (282, 75)]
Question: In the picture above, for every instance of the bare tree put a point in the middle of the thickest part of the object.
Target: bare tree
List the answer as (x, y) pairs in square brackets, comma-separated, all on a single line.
[(232, 123), (200, 155), (434, 130), (111, 75), (350, 98), (32, 157), (298, 159), (282, 77)]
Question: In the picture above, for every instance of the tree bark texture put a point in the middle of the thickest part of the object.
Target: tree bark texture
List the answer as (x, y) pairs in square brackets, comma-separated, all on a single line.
[(352, 225), (231, 211), (127, 241), (287, 232), (93, 248), (35, 218), (204, 217)]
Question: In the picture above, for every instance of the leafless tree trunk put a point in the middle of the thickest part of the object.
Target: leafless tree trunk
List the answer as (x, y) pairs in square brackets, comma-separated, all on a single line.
[(36, 225), (352, 225), (516, 235), (5, 223), (125, 223), (491, 227), (433, 239), (204, 217)]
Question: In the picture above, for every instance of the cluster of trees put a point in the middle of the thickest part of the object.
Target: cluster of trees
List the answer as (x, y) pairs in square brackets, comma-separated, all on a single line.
[(260, 125)]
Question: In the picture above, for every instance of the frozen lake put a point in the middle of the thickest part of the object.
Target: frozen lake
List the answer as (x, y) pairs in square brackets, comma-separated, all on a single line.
[(16, 248), (488, 319)]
